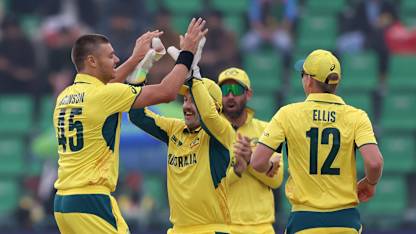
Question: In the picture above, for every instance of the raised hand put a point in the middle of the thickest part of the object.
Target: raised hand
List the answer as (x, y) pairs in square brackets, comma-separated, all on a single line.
[(156, 52), (193, 35), (143, 45)]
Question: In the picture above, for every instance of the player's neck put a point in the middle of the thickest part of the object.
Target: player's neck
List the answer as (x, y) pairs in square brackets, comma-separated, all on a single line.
[(237, 121), (94, 73)]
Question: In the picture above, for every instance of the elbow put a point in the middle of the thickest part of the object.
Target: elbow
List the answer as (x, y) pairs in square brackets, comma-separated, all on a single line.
[(375, 165), (378, 165)]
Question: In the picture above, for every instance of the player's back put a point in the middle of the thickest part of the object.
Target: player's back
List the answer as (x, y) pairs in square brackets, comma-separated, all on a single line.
[(87, 122), (322, 134)]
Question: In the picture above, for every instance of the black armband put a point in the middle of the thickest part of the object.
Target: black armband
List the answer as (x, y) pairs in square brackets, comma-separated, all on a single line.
[(186, 58)]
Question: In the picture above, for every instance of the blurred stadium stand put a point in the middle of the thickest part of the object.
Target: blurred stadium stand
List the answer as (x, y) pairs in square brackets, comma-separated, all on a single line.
[(377, 77)]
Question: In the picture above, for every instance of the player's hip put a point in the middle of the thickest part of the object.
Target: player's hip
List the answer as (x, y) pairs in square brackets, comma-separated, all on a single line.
[(340, 221), (88, 213), (264, 228)]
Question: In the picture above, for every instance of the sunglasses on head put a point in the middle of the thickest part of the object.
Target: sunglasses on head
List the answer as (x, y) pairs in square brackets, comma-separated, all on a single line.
[(235, 89)]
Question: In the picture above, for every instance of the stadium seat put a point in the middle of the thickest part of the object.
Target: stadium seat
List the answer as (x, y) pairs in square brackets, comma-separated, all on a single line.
[(310, 31), (390, 201), (30, 24), (11, 156), (265, 106), (180, 23), (151, 6), (45, 118), (183, 6), (264, 70), (362, 101), (230, 6), (16, 114), (154, 187), (398, 111), (359, 72), (407, 7), (9, 197), (401, 74), (399, 152), (294, 97), (409, 20), (235, 24), (324, 6)]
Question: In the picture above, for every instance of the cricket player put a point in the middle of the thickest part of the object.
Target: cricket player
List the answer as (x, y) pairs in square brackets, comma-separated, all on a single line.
[(248, 215), (321, 135), (87, 120), (197, 158)]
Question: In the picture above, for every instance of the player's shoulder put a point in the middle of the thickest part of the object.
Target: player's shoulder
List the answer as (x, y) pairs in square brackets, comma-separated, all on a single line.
[(177, 125), (67, 91), (259, 122), (354, 111), (296, 106)]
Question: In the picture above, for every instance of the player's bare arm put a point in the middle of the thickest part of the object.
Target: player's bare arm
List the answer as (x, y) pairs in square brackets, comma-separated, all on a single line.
[(373, 164), (240, 150), (260, 160), (167, 90)]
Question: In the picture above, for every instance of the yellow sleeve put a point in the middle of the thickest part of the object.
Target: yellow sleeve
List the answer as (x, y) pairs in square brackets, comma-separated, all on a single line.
[(273, 182), (158, 126), (364, 133), (117, 97), (274, 133), (212, 122), (231, 176)]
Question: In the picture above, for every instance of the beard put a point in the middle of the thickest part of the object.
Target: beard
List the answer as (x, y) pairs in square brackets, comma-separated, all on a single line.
[(237, 113)]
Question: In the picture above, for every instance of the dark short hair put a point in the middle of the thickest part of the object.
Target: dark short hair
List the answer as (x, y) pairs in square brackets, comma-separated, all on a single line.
[(84, 46), (328, 88)]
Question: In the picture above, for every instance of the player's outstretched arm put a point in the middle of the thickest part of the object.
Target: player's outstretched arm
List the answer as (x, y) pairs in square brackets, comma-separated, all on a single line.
[(152, 123), (373, 164), (212, 122), (167, 90)]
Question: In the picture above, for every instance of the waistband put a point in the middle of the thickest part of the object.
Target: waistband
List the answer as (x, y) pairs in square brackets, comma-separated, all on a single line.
[(91, 189), (301, 220), (299, 207), (247, 228), (202, 228)]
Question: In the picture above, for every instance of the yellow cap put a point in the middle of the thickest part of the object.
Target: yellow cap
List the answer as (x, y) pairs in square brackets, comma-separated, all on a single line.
[(236, 74), (320, 64), (213, 89)]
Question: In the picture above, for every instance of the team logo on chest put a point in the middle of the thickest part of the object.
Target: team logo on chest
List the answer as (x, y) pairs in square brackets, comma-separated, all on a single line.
[(194, 143)]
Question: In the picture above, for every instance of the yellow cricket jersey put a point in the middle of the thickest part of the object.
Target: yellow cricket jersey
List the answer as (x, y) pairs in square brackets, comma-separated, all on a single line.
[(245, 193), (322, 135), (197, 162), (87, 121)]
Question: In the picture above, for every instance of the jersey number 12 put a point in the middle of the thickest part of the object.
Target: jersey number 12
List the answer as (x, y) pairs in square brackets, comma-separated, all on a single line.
[(313, 151), (72, 125)]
